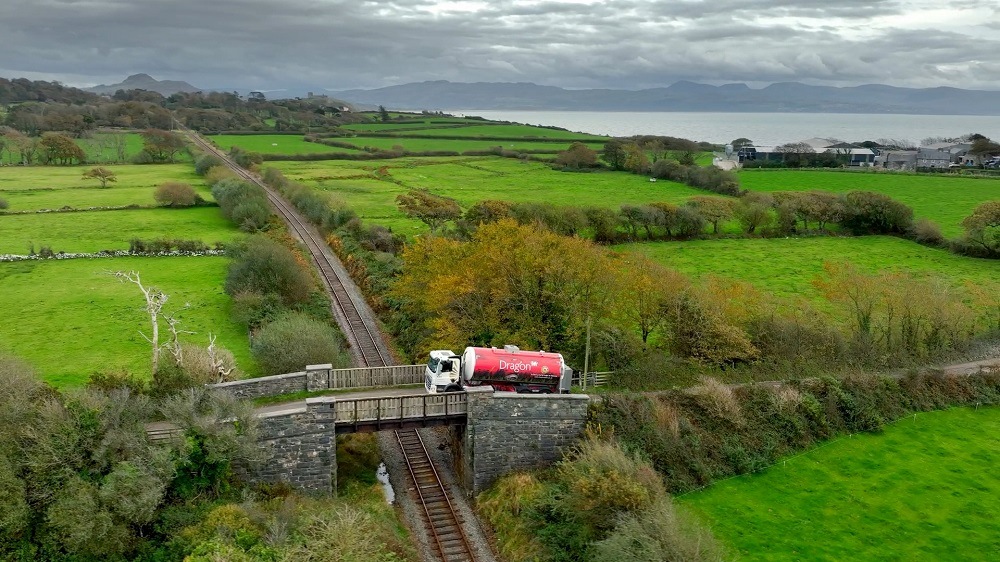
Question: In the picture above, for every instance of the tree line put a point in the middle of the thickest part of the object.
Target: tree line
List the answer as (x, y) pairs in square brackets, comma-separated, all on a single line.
[(159, 146), (35, 107)]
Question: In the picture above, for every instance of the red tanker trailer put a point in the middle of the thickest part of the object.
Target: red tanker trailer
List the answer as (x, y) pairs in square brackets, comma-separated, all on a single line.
[(508, 369)]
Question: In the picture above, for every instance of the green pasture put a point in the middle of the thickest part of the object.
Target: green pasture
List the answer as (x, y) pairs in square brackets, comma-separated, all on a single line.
[(93, 231), (470, 180), (943, 199), (69, 319), (787, 266), (512, 131), (97, 147), (462, 145), (84, 197), (36, 177), (926, 489), (408, 125), (53, 187), (273, 144), (101, 151)]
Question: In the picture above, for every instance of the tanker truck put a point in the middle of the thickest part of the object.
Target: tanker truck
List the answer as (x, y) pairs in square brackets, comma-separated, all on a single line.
[(508, 370)]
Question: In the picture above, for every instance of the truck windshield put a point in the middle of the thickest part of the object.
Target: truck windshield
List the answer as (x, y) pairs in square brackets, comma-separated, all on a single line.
[(432, 365)]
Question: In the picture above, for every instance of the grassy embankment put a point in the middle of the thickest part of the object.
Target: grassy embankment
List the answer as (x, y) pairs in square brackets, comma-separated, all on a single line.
[(945, 200), (69, 319), (925, 489)]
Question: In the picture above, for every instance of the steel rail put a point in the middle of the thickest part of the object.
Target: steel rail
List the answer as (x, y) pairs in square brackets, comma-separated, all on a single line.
[(445, 527)]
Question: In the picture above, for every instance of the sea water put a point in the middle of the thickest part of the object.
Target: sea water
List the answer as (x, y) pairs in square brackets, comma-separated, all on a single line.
[(764, 129)]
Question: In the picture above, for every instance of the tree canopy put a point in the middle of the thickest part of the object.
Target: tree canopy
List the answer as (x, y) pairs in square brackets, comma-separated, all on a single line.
[(433, 210)]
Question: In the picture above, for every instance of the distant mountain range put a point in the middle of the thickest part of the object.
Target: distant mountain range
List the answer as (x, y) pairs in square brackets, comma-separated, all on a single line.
[(784, 97), (145, 82)]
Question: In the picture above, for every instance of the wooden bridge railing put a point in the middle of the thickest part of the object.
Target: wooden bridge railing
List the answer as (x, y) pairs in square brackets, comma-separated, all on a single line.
[(373, 377), (395, 411), (593, 379)]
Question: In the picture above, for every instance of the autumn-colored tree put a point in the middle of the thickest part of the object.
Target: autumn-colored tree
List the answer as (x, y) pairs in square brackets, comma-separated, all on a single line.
[(103, 175), (857, 292), (577, 156), (982, 227), (60, 149), (176, 194), (646, 289), (714, 209), (706, 322), (433, 210), (636, 160), (160, 145), (510, 284)]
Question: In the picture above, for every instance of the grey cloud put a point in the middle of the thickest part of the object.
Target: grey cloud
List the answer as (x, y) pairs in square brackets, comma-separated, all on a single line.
[(623, 44)]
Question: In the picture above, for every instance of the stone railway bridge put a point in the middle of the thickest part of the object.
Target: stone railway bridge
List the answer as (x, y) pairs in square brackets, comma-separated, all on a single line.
[(494, 432)]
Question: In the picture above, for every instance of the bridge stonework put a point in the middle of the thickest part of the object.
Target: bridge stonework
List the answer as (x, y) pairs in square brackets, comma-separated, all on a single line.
[(301, 448), (502, 432), (510, 432)]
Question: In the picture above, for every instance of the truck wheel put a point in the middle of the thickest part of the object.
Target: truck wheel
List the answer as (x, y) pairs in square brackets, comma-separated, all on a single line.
[(453, 388)]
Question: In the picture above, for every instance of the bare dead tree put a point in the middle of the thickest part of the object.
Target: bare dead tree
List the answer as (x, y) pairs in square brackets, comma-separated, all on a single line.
[(219, 367), (155, 300), (174, 345)]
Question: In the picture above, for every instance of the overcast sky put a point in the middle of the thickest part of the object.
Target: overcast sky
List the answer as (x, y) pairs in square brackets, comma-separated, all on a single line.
[(628, 44)]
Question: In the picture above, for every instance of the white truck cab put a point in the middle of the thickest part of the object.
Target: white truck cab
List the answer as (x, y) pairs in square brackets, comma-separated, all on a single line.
[(442, 373)]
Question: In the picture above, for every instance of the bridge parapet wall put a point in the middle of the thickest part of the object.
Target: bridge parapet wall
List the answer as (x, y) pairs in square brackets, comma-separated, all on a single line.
[(508, 432), (302, 446), (323, 377)]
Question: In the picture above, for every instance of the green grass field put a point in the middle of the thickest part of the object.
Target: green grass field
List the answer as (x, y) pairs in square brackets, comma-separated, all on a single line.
[(943, 199), (69, 319), (422, 145), (98, 149), (92, 231), (927, 489), (471, 128), (787, 266), (470, 180), (51, 187), (511, 131), (273, 144), (43, 177), (409, 125)]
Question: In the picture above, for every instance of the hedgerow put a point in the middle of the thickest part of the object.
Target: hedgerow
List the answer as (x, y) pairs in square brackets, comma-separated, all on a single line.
[(696, 436)]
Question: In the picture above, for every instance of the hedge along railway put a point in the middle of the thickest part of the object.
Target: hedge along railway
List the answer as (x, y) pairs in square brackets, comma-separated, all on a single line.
[(368, 349), (353, 315)]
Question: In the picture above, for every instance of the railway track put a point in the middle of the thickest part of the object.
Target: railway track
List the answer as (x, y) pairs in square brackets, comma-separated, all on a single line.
[(445, 528), (358, 329)]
